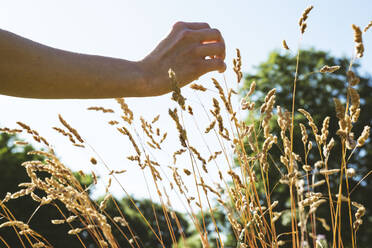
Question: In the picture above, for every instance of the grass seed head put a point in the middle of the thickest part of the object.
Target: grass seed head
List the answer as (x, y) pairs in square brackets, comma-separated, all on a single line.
[(199, 87), (329, 69), (285, 46), (359, 47), (340, 109), (104, 110), (364, 136), (367, 27)]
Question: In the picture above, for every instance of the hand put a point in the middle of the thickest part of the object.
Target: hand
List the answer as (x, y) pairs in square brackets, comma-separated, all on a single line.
[(190, 50)]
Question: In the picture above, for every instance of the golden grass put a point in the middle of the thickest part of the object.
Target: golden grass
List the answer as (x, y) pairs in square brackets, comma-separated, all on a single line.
[(252, 215)]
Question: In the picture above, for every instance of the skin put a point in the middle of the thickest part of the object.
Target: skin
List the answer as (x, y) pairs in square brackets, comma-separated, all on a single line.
[(32, 70)]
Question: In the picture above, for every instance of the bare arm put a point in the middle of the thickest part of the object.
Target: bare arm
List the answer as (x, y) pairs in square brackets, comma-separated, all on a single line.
[(30, 69)]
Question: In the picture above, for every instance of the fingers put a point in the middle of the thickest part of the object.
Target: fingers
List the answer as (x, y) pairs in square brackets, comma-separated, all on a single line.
[(211, 49), (179, 26), (197, 25), (215, 64), (197, 31), (205, 42), (208, 35)]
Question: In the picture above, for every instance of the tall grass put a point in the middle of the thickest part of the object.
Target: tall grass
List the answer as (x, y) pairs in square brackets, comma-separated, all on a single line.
[(244, 190)]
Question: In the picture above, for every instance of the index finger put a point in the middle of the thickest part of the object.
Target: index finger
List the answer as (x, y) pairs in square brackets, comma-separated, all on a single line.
[(209, 35), (197, 25)]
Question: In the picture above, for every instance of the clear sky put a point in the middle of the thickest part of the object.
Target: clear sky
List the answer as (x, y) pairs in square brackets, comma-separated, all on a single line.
[(131, 29)]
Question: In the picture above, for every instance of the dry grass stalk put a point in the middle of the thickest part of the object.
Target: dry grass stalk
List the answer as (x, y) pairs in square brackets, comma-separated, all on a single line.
[(324, 131), (104, 110), (329, 69), (181, 130), (20, 143), (355, 103), (57, 222), (147, 128), (117, 172), (222, 95), (237, 66), (38, 245), (199, 87), (10, 131), (121, 220), (126, 132), (67, 134), (103, 204), (359, 47), (352, 79), (176, 91), (247, 105), (285, 45), (340, 109), (93, 160), (358, 215), (35, 135), (187, 172), (18, 224), (303, 18), (156, 118), (72, 130), (250, 213), (189, 110), (267, 109), (127, 113), (214, 156), (367, 27), (210, 127), (113, 122), (176, 153), (363, 137)]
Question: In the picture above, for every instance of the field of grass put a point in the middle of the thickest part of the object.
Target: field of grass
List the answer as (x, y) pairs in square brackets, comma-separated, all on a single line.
[(233, 180)]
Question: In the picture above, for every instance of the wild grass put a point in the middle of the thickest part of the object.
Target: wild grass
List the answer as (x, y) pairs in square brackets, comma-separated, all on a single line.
[(242, 188)]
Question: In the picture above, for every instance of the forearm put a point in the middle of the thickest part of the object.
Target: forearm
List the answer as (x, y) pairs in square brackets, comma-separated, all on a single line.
[(29, 69)]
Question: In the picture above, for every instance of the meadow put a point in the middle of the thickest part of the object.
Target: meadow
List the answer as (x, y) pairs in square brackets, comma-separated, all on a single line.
[(233, 195)]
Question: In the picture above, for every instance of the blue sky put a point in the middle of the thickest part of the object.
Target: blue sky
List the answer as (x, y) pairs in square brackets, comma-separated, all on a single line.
[(131, 29)]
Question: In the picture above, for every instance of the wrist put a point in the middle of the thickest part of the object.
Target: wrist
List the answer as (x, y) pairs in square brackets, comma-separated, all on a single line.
[(148, 80), (137, 76)]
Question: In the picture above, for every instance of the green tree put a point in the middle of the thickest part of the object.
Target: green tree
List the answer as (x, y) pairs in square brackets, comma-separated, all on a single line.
[(224, 229), (138, 230), (315, 93)]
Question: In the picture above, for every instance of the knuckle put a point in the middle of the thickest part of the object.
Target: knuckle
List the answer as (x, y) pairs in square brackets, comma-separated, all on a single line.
[(179, 25), (224, 50), (205, 24), (217, 32), (186, 34), (223, 67), (219, 65), (219, 49), (221, 46)]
